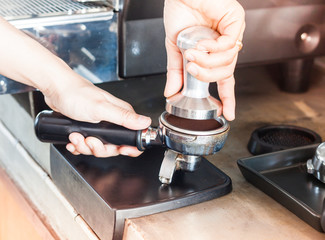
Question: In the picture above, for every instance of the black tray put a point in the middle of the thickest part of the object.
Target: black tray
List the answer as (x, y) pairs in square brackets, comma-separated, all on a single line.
[(283, 176)]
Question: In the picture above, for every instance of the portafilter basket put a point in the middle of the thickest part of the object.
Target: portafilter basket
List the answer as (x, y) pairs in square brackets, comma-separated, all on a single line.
[(193, 137), (187, 141)]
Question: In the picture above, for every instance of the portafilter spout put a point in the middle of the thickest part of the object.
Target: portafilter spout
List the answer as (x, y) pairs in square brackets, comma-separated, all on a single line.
[(194, 101)]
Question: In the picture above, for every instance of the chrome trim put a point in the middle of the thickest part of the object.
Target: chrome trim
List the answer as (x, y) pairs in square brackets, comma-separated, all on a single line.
[(220, 119)]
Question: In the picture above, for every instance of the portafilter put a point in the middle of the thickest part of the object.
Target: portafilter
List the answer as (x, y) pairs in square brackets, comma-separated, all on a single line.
[(316, 165), (189, 129)]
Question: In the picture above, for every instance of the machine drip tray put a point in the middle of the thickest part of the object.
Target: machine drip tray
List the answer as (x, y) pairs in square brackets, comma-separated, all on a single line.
[(107, 191)]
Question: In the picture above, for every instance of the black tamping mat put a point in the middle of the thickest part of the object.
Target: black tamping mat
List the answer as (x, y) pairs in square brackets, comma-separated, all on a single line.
[(283, 176), (108, 191)]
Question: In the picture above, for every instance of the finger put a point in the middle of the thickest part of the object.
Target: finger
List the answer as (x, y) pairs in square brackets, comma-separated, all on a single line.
[(129, 151), (223, 43), (121, 116), (174, 69), (117, 101), (100, 150), (70, 147), (211, 60), (233, 23), (79, 143), (226, 90), (211, 74)]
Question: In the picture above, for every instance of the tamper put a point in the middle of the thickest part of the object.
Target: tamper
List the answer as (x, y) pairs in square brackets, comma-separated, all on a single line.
[(194, 101)]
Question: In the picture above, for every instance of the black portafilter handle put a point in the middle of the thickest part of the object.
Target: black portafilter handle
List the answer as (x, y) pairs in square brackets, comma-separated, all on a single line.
[(54, 127)]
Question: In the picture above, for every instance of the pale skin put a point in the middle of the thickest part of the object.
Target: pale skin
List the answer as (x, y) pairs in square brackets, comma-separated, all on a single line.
[(26, 61)]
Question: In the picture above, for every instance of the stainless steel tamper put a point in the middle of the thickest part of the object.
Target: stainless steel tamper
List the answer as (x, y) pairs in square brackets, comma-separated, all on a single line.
[(194, 101), (316, 165)]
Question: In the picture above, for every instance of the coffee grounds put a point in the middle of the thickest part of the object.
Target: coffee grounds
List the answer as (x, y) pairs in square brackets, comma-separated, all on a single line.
[(192, 124)]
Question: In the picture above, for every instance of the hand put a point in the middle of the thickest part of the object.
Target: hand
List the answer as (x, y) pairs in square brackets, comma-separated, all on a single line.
[(83, 101), (216, 65), (65, 91)]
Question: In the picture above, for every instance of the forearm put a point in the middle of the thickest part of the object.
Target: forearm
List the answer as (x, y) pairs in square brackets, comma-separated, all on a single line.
[(25, 60)]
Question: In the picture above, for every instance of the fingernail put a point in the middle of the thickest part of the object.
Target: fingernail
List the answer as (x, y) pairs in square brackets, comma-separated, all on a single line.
[(143, 119), (75, 141), (189, 57), (124, 152), (192, 70), (231, 116), (70, 148)]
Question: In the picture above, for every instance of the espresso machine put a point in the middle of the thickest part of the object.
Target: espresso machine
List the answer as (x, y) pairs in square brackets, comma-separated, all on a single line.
[(119, 45)]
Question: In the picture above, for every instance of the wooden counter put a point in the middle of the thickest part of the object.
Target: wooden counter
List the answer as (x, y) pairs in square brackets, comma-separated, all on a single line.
[(246, 213)]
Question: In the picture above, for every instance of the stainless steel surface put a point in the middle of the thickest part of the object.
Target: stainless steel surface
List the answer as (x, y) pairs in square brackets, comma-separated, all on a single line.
[(141, 38), (88, 46), (149, 137), (105, 3), (188, 163), (168, 167), (194, 142), (194, 101), (223, 127), (282, 30), (174, 161), (316, 165), (19, 9)]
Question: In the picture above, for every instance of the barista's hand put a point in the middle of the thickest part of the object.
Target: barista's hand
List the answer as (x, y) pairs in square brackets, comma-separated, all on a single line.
[(226, 17), (83, 101), (65, 91)]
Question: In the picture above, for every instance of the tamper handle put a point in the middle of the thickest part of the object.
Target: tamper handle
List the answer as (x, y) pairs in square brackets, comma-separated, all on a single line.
[(194, 101), (188, 39)]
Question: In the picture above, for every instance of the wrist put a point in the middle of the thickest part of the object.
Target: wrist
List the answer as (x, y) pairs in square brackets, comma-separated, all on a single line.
[(60, 78)]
